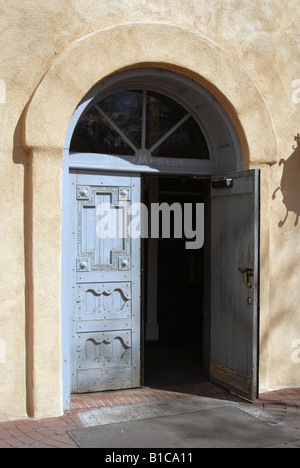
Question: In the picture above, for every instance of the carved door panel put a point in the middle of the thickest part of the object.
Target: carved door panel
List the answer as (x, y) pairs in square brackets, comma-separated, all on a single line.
[(106, 286)]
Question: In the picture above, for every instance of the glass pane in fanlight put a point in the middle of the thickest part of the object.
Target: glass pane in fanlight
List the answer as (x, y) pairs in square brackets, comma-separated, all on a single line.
[(162, 114), (187, 142), (94, 134)]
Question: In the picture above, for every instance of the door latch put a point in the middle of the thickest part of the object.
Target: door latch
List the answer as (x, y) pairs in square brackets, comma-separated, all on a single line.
[(247, 274)]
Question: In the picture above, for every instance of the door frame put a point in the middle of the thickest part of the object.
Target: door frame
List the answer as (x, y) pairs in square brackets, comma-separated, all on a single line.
[(83, 163), (68, 299)]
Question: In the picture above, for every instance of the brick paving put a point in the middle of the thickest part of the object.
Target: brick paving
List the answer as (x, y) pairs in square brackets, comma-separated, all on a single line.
[(283, 405)]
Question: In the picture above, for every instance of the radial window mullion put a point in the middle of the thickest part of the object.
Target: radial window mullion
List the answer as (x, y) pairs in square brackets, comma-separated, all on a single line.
[(144, 120), (169, 133), (116, 128)]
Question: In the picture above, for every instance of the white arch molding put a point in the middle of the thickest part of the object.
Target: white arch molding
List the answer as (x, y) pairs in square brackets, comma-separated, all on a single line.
[(86, 62)]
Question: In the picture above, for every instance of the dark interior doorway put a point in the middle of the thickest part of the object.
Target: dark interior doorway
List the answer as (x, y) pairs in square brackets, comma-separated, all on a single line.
[(177, 355)]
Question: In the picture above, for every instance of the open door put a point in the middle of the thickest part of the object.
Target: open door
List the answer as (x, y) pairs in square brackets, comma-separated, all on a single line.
[(234, 282)]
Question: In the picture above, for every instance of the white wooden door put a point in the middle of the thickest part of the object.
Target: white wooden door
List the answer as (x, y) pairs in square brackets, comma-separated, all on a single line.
[(106, 282), (234, 282)]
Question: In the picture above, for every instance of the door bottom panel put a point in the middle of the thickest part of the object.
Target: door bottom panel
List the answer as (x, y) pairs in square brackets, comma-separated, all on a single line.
[(101, 380)]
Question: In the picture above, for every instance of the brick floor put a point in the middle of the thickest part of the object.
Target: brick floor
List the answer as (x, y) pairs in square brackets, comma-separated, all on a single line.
[(144, 395), (283, 405), (51, 433)]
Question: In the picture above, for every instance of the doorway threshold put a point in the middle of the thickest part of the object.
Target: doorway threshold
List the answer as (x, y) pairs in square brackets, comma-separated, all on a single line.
[(145, 395)]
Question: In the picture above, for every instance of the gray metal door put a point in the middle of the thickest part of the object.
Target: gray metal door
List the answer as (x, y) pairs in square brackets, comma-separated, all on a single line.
[(106, 283), (234, 281)]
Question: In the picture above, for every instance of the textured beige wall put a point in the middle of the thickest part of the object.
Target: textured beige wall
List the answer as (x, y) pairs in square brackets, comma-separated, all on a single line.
[(262, 37)]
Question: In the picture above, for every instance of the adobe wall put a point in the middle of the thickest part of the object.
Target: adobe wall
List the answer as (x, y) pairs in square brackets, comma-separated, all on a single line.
[(246, 53)]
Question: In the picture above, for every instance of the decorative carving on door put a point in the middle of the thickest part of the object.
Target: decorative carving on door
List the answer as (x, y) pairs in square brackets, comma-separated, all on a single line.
[(103, 301), (102, 228), (103, 349)]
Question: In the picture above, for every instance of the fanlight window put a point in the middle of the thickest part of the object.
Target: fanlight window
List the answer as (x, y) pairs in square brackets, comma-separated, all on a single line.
[(130, 122)]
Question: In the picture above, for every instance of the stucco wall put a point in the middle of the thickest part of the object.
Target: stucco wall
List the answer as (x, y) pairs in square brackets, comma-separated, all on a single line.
[(263, 38)]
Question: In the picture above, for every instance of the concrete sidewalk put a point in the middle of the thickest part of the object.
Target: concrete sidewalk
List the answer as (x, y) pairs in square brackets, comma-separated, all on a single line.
[(280, 410)]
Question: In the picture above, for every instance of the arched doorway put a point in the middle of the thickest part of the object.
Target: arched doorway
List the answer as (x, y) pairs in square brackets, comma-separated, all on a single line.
[(153, 136)]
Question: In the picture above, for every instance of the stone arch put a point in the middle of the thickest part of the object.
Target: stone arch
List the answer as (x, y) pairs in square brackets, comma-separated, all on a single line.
[(102, 53)]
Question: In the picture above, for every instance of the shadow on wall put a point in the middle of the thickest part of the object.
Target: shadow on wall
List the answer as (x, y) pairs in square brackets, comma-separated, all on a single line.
[(20, 156), (290, 183)]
